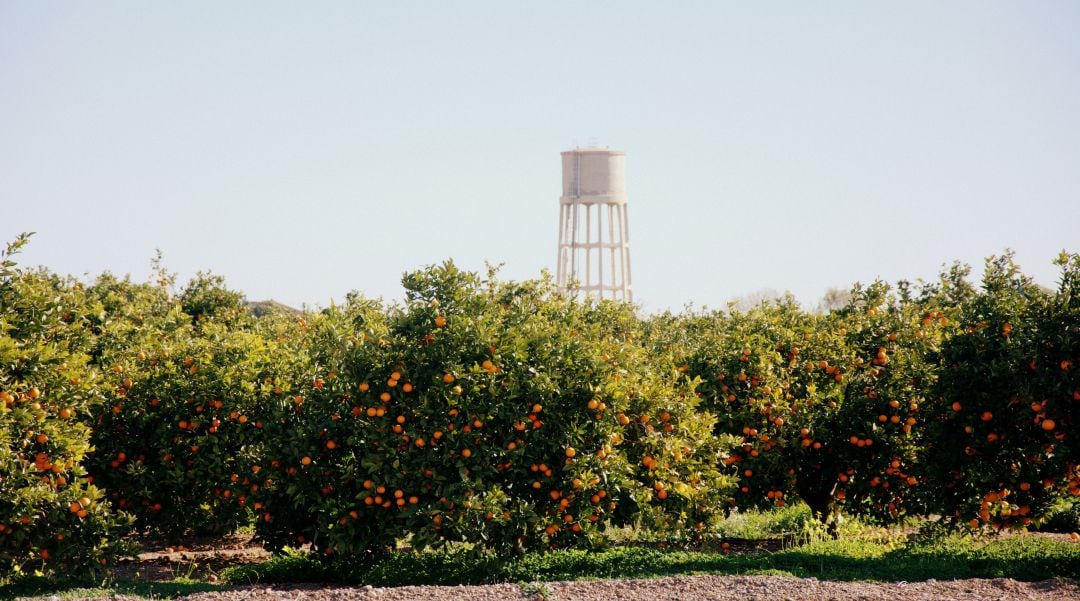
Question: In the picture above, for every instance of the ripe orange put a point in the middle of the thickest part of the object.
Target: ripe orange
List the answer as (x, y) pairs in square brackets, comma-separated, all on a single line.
[(1048, 424)]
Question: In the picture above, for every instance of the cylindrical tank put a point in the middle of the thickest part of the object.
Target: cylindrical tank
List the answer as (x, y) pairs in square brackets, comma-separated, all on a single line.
[(594, 175), (594, 234)]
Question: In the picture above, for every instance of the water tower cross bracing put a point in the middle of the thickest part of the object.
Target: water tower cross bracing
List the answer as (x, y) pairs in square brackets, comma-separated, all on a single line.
[(594, 235)]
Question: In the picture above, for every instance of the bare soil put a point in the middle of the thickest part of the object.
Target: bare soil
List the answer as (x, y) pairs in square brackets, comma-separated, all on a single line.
[(200, 557)]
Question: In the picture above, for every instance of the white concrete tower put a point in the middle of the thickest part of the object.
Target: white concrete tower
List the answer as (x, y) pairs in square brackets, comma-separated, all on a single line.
[(594, 236)]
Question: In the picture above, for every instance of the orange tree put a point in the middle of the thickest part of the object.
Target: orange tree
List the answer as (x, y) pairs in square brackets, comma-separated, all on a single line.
[(1002, 450), (497, 414), (49, 511), (752, 376), (310, 460), (827, 405), (879, 428), (1057, 372), (185, 380)]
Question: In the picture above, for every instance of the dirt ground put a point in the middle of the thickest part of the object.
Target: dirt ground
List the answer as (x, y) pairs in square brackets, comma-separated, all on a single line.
[(196, 558), (715, 588), (204, 557)]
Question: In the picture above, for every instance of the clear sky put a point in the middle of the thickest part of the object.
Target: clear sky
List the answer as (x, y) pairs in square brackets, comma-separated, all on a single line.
[(305, 149)]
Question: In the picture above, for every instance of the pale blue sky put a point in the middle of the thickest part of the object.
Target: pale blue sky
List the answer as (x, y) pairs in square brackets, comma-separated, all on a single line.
[(306, 149)]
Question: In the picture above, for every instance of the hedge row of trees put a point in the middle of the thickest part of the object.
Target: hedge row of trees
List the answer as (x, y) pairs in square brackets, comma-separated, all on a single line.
[(506, 415)]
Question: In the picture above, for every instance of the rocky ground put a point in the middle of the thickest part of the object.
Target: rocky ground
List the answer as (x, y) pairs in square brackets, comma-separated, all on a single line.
[(719, 588)]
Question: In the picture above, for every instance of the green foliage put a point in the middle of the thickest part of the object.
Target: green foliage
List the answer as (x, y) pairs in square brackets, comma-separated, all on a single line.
[(504, 417), (1063, 517), (206, 297), (827, 406), (500, 415), (185, 379), (51, 517), (288, 566), (180, 432), (1003, 447)]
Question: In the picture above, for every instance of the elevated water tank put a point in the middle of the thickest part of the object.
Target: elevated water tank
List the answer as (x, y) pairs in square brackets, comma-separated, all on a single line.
[(594, 234), (594, 175)]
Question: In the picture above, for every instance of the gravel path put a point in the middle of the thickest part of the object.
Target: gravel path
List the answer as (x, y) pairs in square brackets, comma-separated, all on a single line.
[(719, 588)]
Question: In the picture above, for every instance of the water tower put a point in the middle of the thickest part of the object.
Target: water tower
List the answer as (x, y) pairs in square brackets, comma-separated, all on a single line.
[(594, 237)]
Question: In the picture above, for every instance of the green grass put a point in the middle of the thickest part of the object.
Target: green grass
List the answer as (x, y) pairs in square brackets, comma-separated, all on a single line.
[(886, 559), (37, 586), (754, 524), (1019, 558), (1022, 558), (790, 526)]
